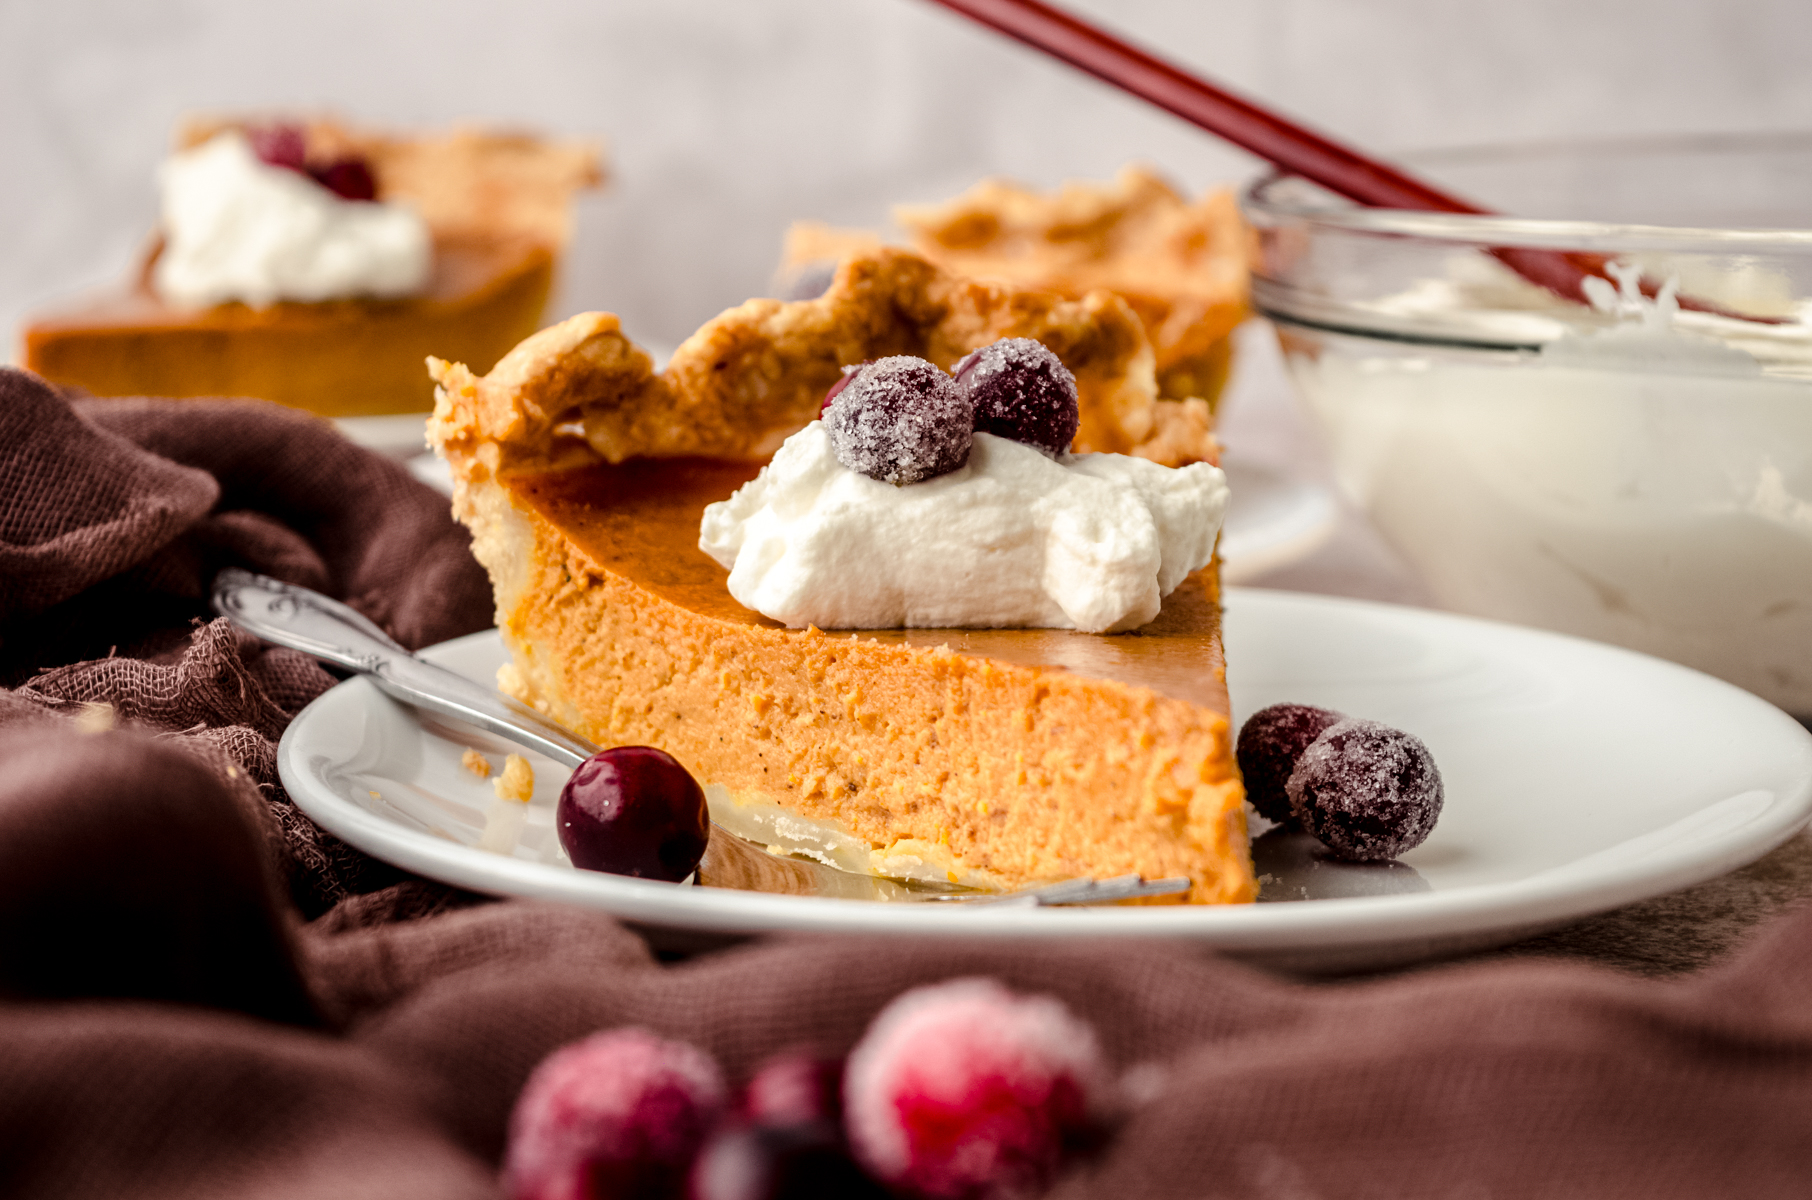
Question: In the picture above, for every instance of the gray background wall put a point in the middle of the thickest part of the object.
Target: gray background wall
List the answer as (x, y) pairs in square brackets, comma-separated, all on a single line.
[(727, 119)]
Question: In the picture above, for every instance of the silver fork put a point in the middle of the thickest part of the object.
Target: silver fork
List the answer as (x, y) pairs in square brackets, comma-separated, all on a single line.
[(304, 620)]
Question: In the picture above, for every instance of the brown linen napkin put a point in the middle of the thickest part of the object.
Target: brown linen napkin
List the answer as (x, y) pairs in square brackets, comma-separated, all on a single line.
[(114, 517), (169, 1025)]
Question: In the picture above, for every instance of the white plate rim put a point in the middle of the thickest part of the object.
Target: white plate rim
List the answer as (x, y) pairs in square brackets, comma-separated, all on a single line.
[(1542, 900)]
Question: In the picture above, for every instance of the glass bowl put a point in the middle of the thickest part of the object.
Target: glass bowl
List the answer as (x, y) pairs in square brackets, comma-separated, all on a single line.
[(1629, 469)]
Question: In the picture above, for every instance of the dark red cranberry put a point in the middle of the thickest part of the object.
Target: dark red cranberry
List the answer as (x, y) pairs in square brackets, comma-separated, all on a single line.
[(780, 1162), (901, 420), (1270, 742), (347, 178), (1022, 391), (633, 810), (837, 387), (1367, 791), (280, 145)]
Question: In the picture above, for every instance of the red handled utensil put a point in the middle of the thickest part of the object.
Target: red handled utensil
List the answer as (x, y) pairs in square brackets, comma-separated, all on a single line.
[(1287, 145)]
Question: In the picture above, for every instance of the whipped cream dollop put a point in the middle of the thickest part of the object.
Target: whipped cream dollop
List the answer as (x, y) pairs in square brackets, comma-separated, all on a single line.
[(237, 228), (1011, 539)]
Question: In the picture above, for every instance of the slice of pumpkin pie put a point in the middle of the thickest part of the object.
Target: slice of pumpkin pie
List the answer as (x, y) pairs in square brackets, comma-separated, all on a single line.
[(996, 757)]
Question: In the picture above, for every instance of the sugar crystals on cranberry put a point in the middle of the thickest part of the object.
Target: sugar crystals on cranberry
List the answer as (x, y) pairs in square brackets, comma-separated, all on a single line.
[(900, 420), (1020, 390), (836, 389), (1367, 791)]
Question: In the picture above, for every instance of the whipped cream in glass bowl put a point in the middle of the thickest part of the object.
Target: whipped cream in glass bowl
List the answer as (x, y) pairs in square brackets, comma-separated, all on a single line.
[(1635, 467)]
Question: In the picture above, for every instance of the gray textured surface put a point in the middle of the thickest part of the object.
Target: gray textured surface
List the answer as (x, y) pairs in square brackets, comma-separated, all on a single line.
[(1688, 929)]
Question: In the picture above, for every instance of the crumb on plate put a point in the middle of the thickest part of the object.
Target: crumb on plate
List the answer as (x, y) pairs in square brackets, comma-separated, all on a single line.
[(517, 781)]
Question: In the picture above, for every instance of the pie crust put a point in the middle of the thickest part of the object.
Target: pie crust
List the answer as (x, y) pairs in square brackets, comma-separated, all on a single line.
[(1182, 266)]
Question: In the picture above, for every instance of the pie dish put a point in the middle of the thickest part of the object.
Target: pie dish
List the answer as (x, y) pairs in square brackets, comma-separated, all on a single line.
[(1182, 266), (995, 758), (497, 208)]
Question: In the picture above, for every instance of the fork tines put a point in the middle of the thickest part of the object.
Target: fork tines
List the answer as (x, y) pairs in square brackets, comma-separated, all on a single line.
[(1091, 891)]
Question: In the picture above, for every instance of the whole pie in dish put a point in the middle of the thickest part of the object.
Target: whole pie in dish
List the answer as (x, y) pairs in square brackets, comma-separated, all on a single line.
[(1001, 757), (1182, 265), (497, 209)]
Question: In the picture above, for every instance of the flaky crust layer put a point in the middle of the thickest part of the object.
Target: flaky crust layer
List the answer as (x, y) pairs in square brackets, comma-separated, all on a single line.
[(1183, 266), (582, 392)]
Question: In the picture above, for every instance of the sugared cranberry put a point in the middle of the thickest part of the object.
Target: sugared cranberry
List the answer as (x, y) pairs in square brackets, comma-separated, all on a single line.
[(794, 1089), (1022, 391), (1270, 742), (964, 1090), (900, 420), (842, 382), (280, 145), (347, 178), (780, 1162), (1368, 791), (620, 1114), (633, 810)]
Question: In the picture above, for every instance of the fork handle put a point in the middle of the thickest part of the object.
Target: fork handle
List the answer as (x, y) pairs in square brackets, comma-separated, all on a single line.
[(304, 620)]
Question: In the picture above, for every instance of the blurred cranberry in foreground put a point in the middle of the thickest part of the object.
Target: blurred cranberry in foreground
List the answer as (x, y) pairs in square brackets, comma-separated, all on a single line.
[(808, 1161), (964, 1090), (621, 1114), (795, 1088), (633, 810)]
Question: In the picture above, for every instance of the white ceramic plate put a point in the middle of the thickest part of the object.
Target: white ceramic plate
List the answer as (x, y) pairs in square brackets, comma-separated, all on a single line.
[(1579, 777)]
